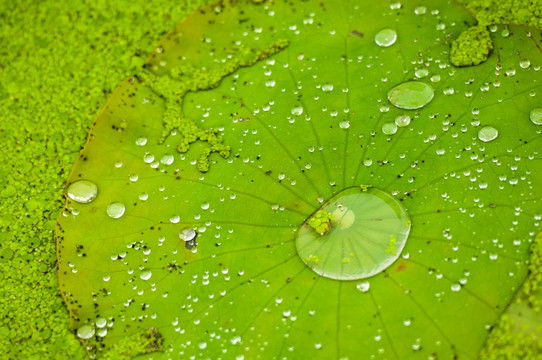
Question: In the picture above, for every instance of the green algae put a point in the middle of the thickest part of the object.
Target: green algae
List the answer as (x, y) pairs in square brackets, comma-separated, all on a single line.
[(519, 12), (518, 333), (59, 63), (472, 47), (144, 342), (182, 79), (321, 221)]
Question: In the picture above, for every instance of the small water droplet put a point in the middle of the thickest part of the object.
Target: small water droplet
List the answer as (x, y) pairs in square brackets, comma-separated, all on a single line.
[(411, 95), (344, 124), (389, 128), (363, 286), (386, 37), (101, 322), (420, 10), (115, 210), (85, 332), (187, 234), (402, 120), (167, 159), (536, 116), (421, 73), (524, 64), (82, 191), (298, 110), (145, 275), (487, 133), (327, 87), (141, 141)]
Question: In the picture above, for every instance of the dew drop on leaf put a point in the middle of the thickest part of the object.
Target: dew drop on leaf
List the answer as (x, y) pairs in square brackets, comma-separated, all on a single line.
[(85, 332), (298, 110), (389, 128), (488, 133), (402, 120), (327, 87), (145, 275), (386, 37), (364, 286), (82, 191), (421, 73), (536, 116), (187, 234), (420, 10), (356, 234), (411, 95), (115, 210)]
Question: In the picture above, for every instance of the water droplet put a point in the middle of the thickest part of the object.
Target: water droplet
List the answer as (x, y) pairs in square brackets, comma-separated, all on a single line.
[(389, 128), (536, 116), (115, 210), (487, 133), (402, 120), (411, 95), (167, 159), (329, 241), (187, 234), (82, 191), (386, 37), (524, 64), (141, 141), (298, 110), (421, 73), (145, 275), (85, 332), (270, 83), (420, 10), (364, 286), (455, 287), (205, 206), (101, 322), (344, 124), (327, 87)]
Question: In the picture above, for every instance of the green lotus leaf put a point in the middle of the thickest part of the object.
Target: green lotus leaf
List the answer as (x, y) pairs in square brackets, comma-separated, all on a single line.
[(231, 151)]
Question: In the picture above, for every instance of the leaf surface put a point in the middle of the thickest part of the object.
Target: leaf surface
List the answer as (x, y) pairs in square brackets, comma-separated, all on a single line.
[(298, 94)]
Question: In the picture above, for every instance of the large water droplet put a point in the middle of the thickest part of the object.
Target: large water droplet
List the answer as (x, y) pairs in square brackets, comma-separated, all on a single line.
[(82, 191), (115, 210), (356, 234), (386, 37), (536, 116), (85, 332), (487, 133), (187, 234), (411, 95)]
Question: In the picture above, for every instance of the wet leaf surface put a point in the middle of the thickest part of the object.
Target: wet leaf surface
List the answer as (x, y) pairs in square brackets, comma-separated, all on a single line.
[(206, 255)]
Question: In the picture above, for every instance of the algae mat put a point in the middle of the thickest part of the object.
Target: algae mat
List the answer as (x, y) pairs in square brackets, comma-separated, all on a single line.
[(307, 181)]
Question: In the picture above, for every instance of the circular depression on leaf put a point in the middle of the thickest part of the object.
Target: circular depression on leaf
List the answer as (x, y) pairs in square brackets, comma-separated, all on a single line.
[(356, 234), (224, 161)]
